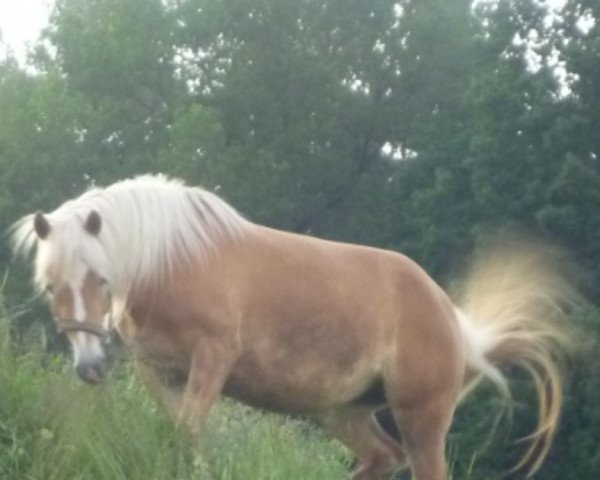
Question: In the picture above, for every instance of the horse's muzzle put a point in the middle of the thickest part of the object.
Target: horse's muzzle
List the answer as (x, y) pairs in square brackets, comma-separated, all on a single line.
[(93, 373)]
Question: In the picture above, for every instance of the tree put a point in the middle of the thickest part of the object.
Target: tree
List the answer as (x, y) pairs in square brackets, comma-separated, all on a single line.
[(416, 125), (119, 56)]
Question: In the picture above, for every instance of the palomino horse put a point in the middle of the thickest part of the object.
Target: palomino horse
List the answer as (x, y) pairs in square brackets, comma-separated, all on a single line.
[(212, 304)]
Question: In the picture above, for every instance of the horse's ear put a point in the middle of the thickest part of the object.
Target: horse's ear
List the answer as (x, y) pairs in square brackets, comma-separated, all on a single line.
[(93, 223), (41, 225)]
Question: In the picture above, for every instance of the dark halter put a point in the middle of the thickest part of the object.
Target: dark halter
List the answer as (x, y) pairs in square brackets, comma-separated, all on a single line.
[(83, 326), (72, 325)]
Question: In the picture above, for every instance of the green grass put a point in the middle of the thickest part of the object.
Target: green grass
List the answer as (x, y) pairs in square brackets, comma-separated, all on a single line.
[(53, 427)]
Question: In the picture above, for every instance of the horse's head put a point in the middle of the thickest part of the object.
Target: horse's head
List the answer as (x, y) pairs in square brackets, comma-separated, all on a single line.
[(69, 269)]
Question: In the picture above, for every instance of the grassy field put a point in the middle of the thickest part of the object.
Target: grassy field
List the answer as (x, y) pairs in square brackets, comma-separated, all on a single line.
[(53, 427)]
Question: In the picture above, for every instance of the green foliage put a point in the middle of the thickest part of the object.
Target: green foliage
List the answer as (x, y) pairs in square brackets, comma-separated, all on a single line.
[(417, 125)]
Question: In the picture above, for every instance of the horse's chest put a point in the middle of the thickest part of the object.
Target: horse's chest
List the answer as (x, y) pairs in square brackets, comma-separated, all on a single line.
[(162, 355)]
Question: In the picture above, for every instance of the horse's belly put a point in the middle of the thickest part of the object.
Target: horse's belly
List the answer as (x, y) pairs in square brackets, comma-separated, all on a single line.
[(304, 388)]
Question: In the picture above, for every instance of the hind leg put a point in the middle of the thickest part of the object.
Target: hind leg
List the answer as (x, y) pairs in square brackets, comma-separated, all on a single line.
[(378, 454), (424, 428)]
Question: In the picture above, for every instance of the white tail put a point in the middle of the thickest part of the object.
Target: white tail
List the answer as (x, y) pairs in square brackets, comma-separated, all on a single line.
[(513, 311)]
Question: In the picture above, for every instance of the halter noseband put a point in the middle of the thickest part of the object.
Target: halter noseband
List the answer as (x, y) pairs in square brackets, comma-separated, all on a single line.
[(82, 326), (73, 325)]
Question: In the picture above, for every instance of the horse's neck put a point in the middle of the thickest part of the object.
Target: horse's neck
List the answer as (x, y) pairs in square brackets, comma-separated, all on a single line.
[(193, 287)]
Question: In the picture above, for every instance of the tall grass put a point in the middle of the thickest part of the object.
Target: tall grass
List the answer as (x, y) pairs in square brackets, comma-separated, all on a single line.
[(53, 427)]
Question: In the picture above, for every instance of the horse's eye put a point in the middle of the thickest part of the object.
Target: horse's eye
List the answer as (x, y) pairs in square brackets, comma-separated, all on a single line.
[(49, 288)]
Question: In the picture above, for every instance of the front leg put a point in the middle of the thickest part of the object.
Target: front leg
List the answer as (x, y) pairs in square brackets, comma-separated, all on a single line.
[(158, 380), (210, 366)]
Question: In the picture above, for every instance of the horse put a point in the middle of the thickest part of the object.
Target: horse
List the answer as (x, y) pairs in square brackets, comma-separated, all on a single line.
[(213, 304)]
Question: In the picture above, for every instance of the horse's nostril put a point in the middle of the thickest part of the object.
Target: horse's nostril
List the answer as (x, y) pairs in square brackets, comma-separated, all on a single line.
[(90, 373)]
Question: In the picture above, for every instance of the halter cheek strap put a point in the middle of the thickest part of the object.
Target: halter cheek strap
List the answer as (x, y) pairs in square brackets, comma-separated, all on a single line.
[(83, 326), (72, 325)]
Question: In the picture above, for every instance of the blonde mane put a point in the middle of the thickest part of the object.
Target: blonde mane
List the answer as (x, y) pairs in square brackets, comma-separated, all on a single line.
[(148, 224)]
